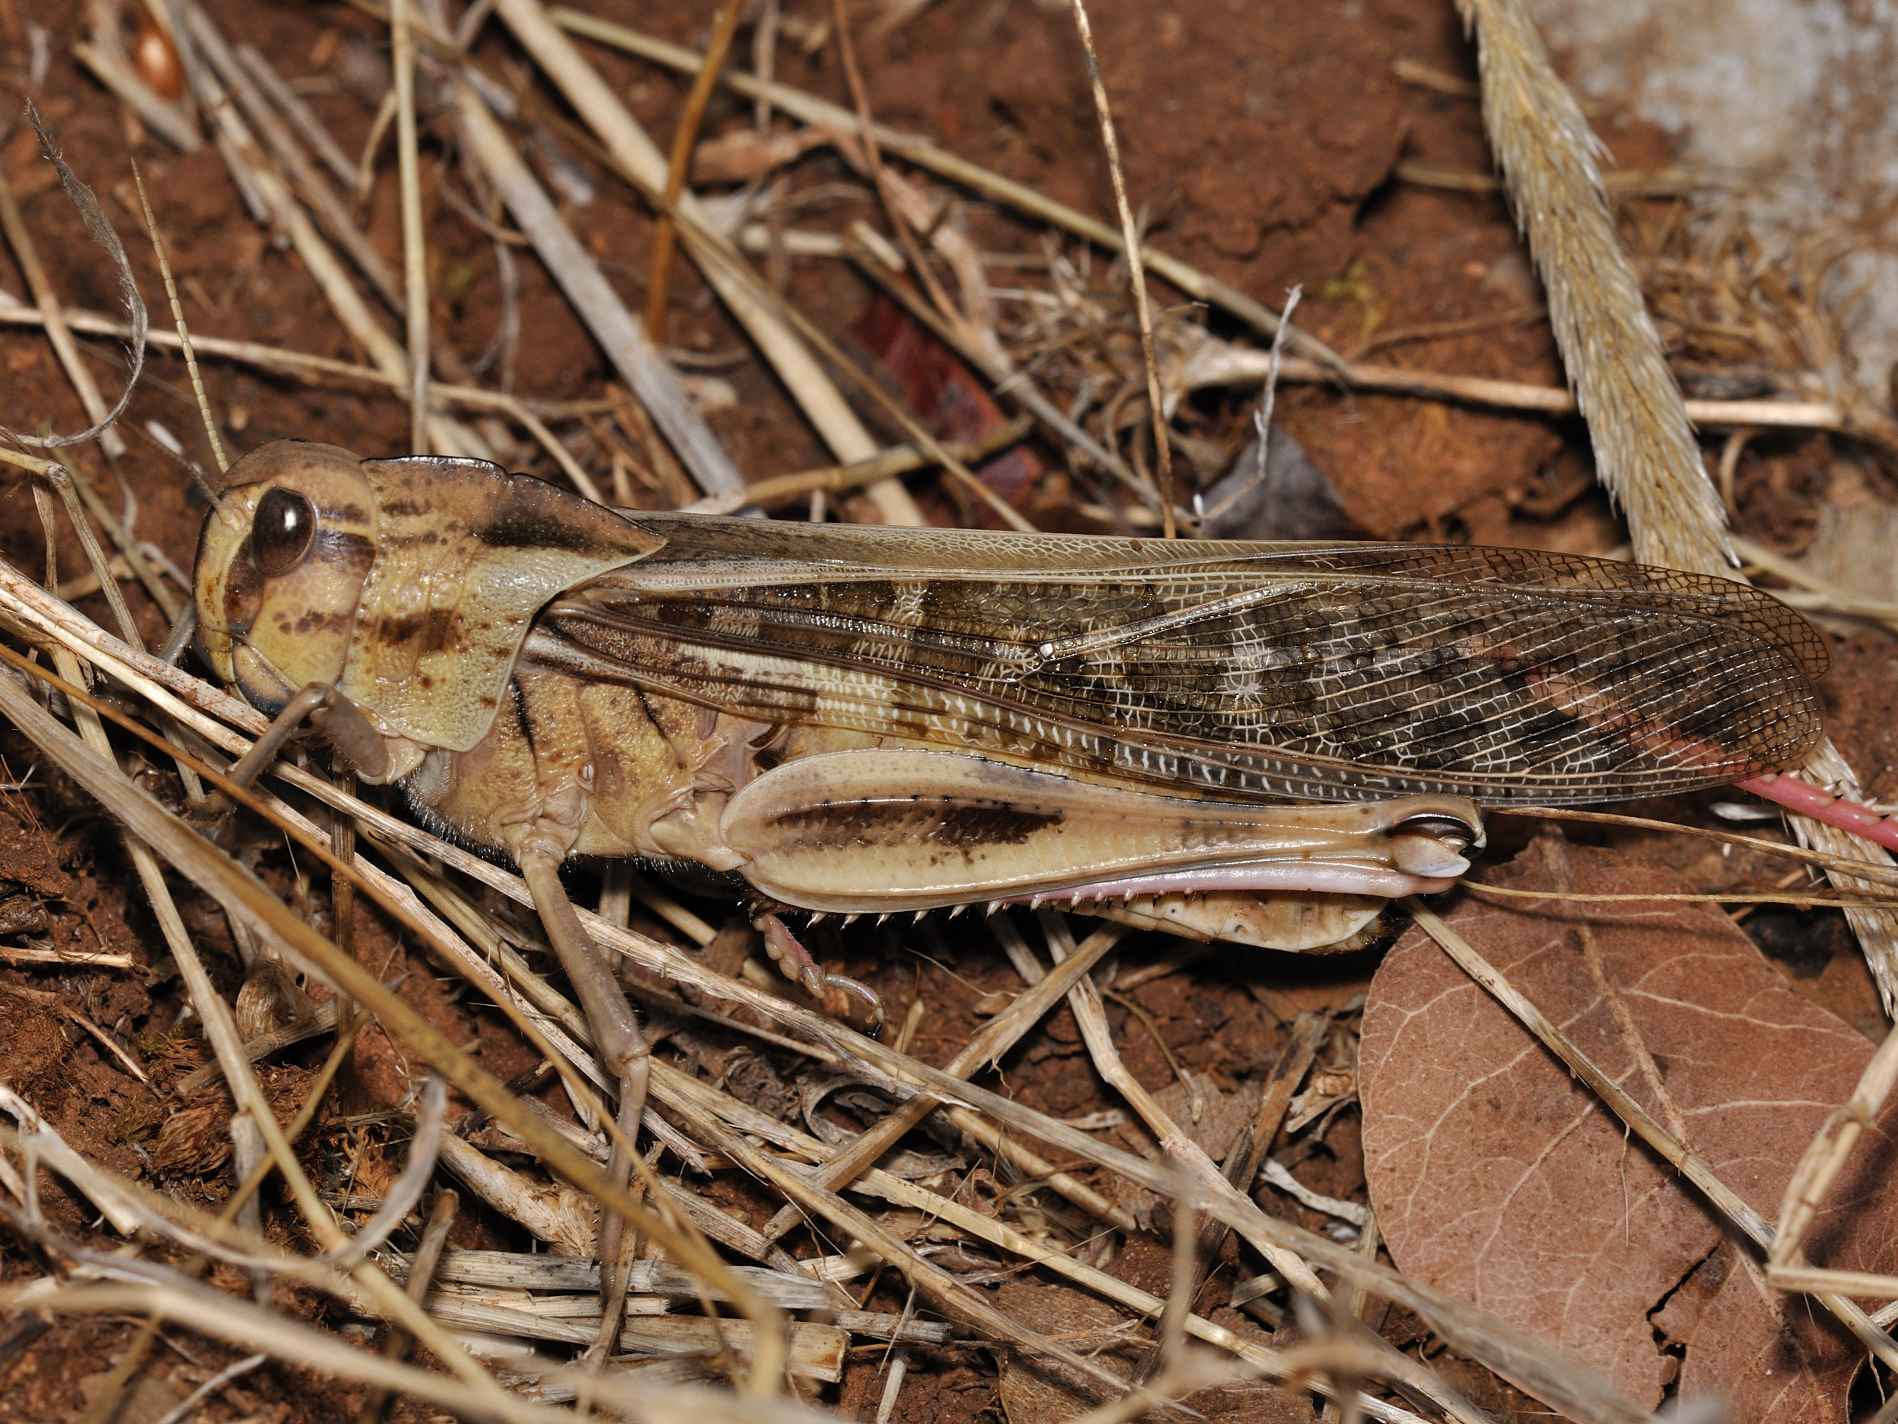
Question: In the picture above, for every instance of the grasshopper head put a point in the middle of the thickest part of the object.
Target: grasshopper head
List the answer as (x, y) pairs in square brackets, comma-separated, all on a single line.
[(407, 586), (281, 565)]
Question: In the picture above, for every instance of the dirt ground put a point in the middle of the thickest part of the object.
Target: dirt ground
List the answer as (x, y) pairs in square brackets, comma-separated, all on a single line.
[(1261, 144)]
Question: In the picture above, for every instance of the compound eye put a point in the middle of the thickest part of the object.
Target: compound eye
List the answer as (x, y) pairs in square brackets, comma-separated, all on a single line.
[(281, 531)]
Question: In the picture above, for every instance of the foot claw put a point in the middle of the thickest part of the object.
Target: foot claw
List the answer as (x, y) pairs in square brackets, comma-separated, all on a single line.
[(841, 986), (795, 962)]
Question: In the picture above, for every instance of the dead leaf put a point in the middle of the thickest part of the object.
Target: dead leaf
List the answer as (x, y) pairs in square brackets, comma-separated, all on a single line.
[(1500, 1179), (951, 400)]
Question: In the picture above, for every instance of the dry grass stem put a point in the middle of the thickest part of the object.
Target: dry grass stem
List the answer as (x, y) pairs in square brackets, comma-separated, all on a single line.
[(1829, 1151), (322, 1020), (1625, 183), (414, 237), (166, 120), (248, 1326), (178, 317), (290, 104), (20, 239), (1136, 270), (679, 160), (331, 208), (1644, 447), (306, 366), (778, 490), (1011, 383), (1885, 876), (1000, 1034), (903, 216), (242, 155), (1822, 597), (108, 784), (1711, 897), (1216, 363), (241, 894)]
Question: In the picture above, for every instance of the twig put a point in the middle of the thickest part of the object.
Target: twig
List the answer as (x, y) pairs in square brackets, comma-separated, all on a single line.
[(659, 271), (924, 154), (748, 299), (323, 1021), (67, 958), (235, 1370), (620, 335), (1261, 418)]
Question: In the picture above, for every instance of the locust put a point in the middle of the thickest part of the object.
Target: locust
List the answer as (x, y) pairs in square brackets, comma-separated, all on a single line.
[(1254, 742)]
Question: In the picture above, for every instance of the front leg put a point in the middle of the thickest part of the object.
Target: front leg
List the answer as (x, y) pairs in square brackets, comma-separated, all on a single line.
[(528, 788), (540, 830)]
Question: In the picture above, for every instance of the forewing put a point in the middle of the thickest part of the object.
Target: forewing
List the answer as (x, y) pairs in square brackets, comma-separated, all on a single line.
[(1321, 672)]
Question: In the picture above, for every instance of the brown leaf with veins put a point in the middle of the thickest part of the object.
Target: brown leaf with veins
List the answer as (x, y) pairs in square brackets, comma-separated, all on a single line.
[(1499, 1178)]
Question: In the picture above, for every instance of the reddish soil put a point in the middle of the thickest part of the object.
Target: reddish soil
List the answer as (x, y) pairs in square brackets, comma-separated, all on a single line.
[(1260, 145)]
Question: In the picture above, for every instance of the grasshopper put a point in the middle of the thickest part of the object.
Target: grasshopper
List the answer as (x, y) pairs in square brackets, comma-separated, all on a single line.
[(1246, 741)]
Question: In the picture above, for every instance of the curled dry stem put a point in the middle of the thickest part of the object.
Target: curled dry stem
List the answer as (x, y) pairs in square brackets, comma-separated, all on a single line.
[(100, 228)]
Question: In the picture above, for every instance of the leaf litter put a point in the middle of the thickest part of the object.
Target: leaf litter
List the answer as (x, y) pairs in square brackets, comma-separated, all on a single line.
[(1497, 1177)]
